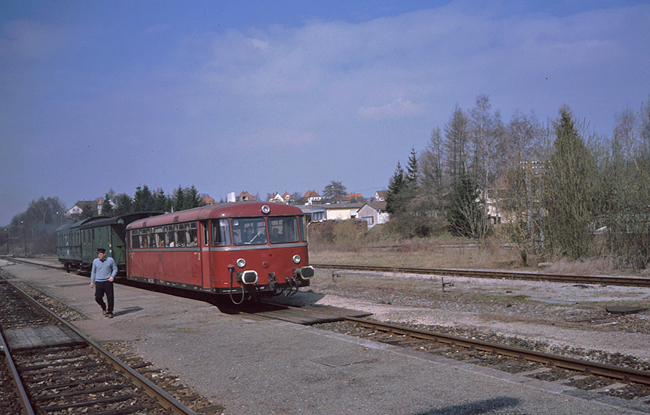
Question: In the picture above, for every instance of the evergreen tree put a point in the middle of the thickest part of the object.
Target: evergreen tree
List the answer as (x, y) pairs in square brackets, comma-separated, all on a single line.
[(412, 169), (568, 191), (178, 199), (467, 216), (143, 199), (107, 207), (123, 205), (161, 202), (395, 187), (191, 198)]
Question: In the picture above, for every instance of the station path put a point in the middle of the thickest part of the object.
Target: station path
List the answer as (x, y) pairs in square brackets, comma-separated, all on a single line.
[(265, 367)]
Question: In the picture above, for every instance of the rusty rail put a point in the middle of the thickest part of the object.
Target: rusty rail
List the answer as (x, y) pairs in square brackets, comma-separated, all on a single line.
[(518, 275)]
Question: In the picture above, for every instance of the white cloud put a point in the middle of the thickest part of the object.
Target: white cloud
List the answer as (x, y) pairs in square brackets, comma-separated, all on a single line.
[(397, 108)]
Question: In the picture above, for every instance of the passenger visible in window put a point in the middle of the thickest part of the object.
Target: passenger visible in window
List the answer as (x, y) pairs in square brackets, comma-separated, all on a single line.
[(248, 234), (195, 242), (275, 236)]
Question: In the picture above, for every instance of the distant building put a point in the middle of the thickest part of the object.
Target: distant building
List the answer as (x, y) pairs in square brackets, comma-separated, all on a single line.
[(313, 213), (245, 196), (380, 195), (374, 213), (78, 207), (352, 198), (311, 196), (342, 211), (276, 198), (208, 200)]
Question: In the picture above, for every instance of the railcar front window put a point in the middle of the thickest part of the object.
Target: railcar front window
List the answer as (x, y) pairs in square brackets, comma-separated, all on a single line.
[(220, 232), (249, 231), (283, 230)]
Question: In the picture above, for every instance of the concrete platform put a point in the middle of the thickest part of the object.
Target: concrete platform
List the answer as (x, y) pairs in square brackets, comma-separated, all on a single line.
[(271, 367)]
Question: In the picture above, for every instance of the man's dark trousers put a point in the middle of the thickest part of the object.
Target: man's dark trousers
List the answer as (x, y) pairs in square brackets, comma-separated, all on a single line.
[(101, 288)]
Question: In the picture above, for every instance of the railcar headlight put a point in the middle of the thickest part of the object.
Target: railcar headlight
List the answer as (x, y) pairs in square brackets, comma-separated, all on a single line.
[(266, 209), (247, 277), (304, 273), (307, 272), (241, 262), (296, 259)]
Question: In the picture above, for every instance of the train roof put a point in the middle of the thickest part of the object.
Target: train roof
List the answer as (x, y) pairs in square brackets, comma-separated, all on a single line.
[(221, 210), (78, 223), (123, 219)]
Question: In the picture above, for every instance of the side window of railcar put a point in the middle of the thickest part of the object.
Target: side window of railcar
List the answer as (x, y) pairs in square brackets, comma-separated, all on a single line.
[(249, 231), (283, 230), (142, 236), (179, 229), (220, 232), (169, 236), (152, 238), (135, 238), (159, 236), (190, 234)]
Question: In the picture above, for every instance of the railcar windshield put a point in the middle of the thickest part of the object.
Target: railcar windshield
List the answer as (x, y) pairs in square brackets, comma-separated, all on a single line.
[(283, 229), (249, 231)]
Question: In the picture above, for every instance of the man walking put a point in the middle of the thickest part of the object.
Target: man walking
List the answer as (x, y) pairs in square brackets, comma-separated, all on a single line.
[(101, 277)]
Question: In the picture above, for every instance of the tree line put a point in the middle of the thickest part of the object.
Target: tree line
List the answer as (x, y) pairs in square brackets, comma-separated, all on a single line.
[(34, 230), (553, 189), (145, 200)]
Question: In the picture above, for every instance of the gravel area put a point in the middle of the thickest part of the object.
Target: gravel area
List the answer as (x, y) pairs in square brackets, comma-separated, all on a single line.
[(564, 319)]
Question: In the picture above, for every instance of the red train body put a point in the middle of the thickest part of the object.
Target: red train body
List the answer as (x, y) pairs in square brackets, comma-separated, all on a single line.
[(244, 250)]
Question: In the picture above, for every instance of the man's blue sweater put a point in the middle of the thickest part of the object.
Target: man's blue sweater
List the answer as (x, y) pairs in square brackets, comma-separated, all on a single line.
[(103, 270)]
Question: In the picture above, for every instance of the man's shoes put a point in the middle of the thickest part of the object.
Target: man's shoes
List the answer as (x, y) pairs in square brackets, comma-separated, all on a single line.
[(109, 315), (104, 313)]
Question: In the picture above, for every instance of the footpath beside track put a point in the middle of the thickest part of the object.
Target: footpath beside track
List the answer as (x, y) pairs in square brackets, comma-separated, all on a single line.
[(496, 274), (55, 367)]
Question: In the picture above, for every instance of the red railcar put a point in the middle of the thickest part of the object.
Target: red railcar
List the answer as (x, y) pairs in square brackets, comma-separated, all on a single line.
[(245, 250)]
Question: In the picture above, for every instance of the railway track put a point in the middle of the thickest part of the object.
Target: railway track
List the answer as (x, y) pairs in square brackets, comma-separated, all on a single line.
[(457, 272), (549, 360), (531, 276), (55, 369), (403, 335)]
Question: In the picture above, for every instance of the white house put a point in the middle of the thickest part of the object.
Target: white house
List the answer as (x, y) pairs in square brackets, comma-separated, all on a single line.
[(374, 213), (311, 196), (342, 211)]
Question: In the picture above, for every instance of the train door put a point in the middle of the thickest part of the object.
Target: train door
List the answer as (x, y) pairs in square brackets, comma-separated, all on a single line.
[(205, 252)]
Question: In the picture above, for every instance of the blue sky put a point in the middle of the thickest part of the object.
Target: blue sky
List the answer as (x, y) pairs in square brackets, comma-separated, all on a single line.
[(286, 95)]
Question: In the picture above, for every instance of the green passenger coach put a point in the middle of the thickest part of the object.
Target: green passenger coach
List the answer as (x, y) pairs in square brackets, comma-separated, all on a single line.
[(77, 242)]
